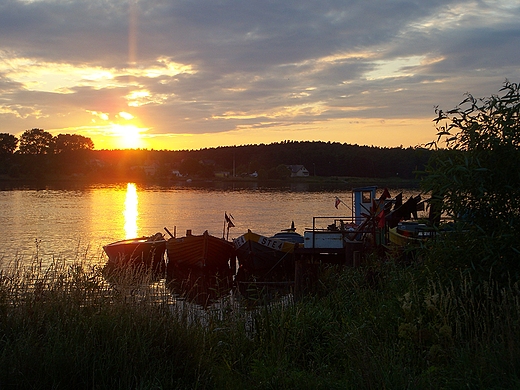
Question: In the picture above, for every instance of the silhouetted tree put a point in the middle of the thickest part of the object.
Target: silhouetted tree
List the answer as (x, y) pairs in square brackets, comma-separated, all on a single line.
[(281, 172), (476, 181), (190, 166), (8, 143), (72, 142), (36, 141)]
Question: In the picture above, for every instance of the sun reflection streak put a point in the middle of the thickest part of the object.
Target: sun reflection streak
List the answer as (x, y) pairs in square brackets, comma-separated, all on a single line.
[(130, 211)]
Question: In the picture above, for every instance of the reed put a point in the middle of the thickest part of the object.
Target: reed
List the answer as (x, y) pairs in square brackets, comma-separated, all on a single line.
[(66, 327), (409, 330), (379, 326)]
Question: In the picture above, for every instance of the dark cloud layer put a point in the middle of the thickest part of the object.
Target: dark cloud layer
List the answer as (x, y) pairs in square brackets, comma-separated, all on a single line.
[(250, 63)]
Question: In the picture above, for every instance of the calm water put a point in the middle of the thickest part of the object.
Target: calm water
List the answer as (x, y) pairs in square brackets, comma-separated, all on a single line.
[(75, 224)]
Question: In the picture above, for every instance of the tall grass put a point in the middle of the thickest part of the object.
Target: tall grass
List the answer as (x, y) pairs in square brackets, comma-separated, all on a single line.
[(66, 327), (380, 326)]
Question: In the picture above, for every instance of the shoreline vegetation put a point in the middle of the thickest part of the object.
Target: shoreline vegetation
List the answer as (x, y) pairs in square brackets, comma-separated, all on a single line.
[(382, 325), (288, 160)]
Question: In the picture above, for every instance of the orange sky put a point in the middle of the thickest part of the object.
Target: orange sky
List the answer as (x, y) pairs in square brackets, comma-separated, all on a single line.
[(377, 132)]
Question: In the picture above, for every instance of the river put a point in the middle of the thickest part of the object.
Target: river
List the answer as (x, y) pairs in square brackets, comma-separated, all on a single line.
[(74, 223)]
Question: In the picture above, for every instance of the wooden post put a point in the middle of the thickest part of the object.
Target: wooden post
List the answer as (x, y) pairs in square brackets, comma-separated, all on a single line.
[(298, 279), (356, 258)]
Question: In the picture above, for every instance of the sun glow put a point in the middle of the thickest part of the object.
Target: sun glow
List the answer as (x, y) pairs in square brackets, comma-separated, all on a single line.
[(128, 136)]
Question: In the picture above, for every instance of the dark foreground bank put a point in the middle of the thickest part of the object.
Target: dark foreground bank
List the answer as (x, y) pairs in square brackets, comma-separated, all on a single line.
[(381, 326)]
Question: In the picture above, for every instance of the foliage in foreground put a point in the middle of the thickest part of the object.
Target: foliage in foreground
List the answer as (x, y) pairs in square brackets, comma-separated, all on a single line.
[(475, 180), (66, 327)]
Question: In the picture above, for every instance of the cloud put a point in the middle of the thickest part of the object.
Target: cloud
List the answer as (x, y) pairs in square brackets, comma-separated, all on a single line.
[(202, 67)]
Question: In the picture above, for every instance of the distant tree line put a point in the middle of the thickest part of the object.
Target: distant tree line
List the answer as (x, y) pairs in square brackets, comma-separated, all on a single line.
[(39, 141), (321, 158), (38, 154)]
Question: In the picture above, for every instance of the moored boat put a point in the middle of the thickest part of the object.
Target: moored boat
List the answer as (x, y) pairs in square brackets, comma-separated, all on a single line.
[(260, 255), (290, 235), (203, 252), (145, 252), (409, 233)]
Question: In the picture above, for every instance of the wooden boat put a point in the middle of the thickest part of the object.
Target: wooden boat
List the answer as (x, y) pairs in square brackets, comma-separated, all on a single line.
[(289, 235), (202, 252), (260, 255), (409, 233), (145, 252)]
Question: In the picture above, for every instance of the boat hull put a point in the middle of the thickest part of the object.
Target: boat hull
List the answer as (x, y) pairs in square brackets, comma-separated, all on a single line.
[(203, 252), (261, 255), (144, 252), (409, 233)]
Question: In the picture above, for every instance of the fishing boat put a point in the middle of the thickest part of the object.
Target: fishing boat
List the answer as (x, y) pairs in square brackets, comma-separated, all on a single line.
[(290, 235), (203, 252), (260, 255), (144, 252), (410, 233)]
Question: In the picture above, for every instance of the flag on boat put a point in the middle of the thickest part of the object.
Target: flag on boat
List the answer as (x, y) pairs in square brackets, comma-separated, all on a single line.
[(229, 220), (385, 194), (381, 208), (337, 202)]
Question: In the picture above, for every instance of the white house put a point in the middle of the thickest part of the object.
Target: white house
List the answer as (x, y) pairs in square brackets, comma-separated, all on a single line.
[(298, 171)]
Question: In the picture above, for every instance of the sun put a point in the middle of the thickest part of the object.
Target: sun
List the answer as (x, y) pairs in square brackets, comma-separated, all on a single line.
[(128, 136)]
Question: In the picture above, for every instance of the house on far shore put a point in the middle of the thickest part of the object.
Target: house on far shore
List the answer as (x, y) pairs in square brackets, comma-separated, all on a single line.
[(222, 174), (149, 168), (298, 170)]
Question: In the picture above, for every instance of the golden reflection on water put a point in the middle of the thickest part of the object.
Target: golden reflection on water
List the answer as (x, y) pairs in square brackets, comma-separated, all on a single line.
[(130, 211)]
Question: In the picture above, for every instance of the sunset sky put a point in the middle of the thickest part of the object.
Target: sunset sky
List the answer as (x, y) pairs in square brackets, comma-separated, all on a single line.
[(190, 74)]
